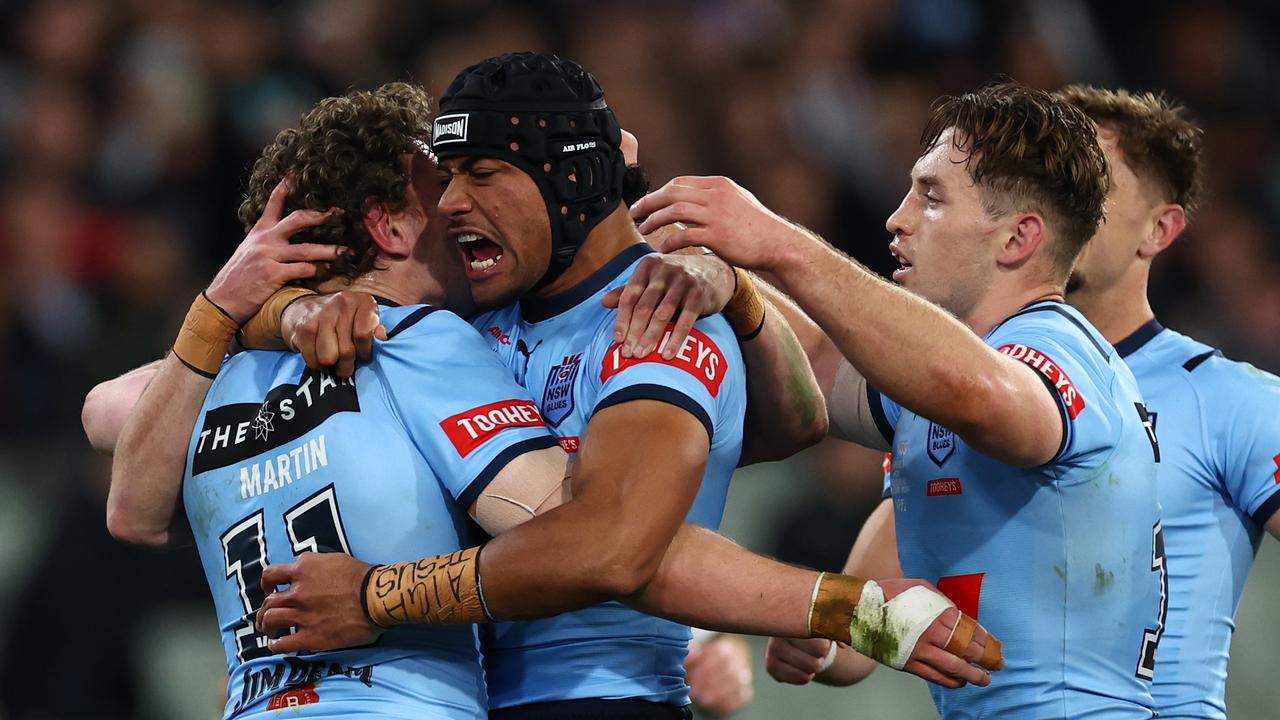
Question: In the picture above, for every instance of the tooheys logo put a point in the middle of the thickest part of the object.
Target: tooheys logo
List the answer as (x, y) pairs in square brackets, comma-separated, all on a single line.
[(1038, 360), (237, 432), (698, 355), (450, 129), (469, 430)]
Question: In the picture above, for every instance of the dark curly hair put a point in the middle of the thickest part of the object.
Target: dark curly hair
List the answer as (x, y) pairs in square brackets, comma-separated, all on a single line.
[(1028, 150), (1158, 140), (345, 153)]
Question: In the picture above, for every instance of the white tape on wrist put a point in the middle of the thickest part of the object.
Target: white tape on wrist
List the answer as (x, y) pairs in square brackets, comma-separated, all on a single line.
[(829, 659), (887, 632)]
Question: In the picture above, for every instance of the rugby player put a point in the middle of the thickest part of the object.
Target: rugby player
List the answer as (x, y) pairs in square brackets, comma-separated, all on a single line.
[(1024, 474), (801, 606), (1214, 417), (504, 126)]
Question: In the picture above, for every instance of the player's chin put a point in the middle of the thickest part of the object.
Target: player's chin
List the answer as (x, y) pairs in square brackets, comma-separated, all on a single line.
[(495, 291)]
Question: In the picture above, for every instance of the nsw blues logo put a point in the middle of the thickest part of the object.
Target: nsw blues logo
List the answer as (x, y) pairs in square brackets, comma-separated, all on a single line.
[(557, 398), (942, 442)]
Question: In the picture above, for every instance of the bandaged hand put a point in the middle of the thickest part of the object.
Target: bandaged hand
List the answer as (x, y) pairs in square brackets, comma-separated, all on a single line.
[(907, 625)]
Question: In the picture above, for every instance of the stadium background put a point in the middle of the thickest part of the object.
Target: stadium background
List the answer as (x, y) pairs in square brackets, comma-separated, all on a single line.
[(127, 126)]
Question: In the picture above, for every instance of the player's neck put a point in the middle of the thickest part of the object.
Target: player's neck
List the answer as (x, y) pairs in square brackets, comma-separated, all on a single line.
[(611, 236), (1119, 310), (390, 285), (999, 303)]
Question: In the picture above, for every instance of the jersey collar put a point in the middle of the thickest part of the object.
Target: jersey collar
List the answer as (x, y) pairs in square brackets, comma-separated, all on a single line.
[(1139, 337), (535, 309)]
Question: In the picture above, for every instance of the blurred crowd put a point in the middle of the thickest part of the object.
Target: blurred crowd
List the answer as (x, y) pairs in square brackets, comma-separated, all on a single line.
[(127, 128)]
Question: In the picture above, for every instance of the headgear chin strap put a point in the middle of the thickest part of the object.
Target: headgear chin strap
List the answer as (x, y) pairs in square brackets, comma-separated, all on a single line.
[(548, 117)]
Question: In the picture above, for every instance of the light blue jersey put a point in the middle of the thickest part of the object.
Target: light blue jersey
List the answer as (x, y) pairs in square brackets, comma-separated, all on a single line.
[(1219, 427), (562, 350), (382, 466), (1062, 562)]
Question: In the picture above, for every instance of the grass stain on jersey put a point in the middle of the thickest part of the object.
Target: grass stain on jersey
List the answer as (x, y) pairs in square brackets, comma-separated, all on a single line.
[(1057, 570), (1103, 579)]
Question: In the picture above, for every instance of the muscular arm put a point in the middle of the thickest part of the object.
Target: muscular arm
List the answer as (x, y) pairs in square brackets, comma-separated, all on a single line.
[(108, 404), (874, 555), (786, 410), (143, 505), (894, 338), (635, 478)]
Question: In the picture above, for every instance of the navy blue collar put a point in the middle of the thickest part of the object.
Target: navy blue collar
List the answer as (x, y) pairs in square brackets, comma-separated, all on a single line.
[(535, 309), (385, 302), (1139, 337)]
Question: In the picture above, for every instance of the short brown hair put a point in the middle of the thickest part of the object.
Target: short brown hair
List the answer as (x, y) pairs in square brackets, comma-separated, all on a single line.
[(346, 152), (1027, 150), (1159, 142)]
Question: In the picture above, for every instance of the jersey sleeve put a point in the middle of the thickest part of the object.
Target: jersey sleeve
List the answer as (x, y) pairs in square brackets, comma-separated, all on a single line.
[(885, 411), (459, 403), (705, 378), (1248, 437), (1072, 365)]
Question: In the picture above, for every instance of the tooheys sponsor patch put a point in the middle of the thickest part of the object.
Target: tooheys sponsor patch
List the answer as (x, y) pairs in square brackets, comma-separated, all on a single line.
[(1047, 367), (236, 432), (470, 429), (698, 355)]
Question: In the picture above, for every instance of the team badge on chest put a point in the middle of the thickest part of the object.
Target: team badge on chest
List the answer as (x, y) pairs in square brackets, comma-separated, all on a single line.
[(557, 398), (942, 442)]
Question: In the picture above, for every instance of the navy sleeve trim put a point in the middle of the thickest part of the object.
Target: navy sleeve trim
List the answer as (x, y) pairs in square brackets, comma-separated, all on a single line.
[(411, 319), (876, 404), (886, 492), (1198, 360), (660, 393), (1267, 509), (1057, 308), (1061, 404), (495, 466)]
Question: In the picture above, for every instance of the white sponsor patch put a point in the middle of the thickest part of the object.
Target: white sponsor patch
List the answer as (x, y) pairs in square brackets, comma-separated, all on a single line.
[(450, 129)]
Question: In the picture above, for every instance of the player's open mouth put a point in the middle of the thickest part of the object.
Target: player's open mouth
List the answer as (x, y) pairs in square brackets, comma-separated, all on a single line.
[(902, 261), (479, 252)]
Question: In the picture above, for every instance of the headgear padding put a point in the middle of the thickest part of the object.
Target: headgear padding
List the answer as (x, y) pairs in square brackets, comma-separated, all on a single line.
[(548, 117)]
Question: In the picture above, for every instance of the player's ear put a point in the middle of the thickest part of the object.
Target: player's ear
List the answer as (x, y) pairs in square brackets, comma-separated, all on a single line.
[(380, 223), (1025, 233), (1170, 221)]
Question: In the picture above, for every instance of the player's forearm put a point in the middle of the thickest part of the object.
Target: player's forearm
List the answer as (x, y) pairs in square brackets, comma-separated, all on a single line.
[(709, 581), (108, 405), (786, 412), (146, 476), (895, 339)]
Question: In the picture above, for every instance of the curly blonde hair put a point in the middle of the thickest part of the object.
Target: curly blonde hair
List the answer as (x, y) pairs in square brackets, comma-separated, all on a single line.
[(345, 153), (1027, 149)]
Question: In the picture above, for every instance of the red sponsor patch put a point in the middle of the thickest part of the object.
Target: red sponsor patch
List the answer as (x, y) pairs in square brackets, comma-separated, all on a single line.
[(1277, 475), (1047, 367), (469, 430), (501, 337), (699, 356), (944, 486), (887, 463), (293, 697), (569, 444), (964, 591)]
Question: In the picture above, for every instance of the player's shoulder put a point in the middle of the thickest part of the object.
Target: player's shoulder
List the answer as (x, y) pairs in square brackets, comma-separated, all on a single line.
[(1051, 326), (414, 324), (1224, 385)]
